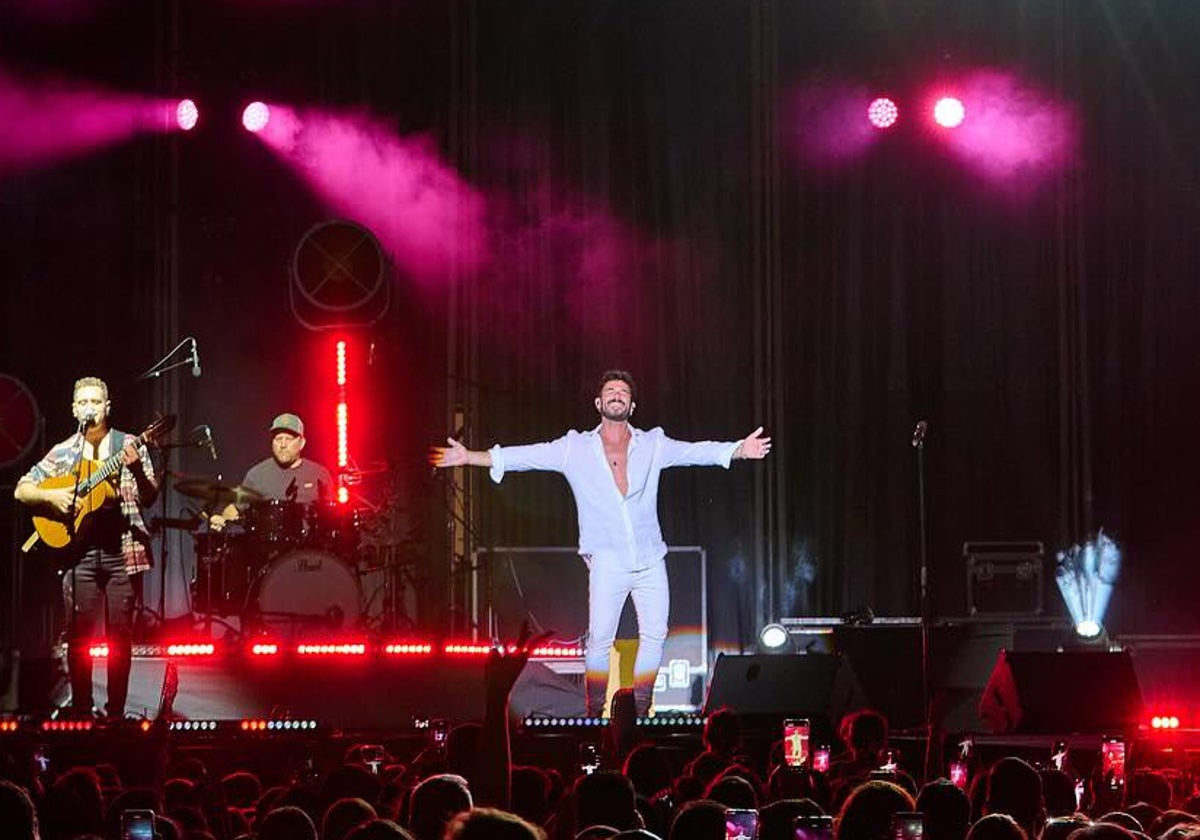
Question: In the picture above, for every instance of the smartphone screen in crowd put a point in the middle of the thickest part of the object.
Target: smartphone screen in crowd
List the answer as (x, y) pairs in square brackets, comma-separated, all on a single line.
[(820, 758), (589, 758), (741, 824), (908, 825), (137, 824), (1112, 761), (1058, 755), (958, 774), (813, 828), (795, 742)]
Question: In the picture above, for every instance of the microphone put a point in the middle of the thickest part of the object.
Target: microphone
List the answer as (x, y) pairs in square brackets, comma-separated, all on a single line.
[(919, 433), (89, 417), (195, 360), (210, 443)]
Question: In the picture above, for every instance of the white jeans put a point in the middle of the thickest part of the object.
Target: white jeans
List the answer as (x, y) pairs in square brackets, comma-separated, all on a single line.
[(608, 587)]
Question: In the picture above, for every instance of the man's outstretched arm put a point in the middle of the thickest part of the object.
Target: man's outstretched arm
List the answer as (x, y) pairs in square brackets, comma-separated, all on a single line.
[(457, 455), (499, 460), (679, 453)]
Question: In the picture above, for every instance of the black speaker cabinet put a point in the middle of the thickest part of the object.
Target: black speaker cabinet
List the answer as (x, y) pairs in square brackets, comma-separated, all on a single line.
[(1068, 691), (814, 685)]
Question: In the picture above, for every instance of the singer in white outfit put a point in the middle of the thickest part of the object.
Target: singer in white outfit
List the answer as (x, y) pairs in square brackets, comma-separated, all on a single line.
[(613, 471)]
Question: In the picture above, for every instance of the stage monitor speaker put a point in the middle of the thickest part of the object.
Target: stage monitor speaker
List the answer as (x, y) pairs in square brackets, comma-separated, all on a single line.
[(1067, 691), (781, 685)]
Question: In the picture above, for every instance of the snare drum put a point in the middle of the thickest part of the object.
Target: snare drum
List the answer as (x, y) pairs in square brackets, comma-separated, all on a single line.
[(332, 526), (275, 525), (308, 594)]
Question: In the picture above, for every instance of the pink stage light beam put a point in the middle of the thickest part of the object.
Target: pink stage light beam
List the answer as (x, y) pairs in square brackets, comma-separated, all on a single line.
[(1014, 134), (46, 122), (826, 126), (427, 217)]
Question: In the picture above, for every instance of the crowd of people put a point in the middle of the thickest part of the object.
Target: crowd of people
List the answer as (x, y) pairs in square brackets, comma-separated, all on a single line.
[(468, 788)]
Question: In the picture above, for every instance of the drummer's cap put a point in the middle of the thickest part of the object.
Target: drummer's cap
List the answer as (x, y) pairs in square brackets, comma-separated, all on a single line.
[(288, 423)]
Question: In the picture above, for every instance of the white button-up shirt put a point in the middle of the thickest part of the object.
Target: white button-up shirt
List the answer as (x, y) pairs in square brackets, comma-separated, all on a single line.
[(619, 530)]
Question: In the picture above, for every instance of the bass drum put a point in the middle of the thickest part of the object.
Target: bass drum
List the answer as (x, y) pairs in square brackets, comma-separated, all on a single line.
[(308, 595)]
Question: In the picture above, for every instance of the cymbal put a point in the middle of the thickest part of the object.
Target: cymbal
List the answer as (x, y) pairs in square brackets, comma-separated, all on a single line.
[(183, 523), (370, 469), (216, 493)]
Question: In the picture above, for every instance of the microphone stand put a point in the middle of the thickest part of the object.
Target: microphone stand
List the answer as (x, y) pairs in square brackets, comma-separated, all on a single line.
[(160, 367), (72, 635), (918, 443)]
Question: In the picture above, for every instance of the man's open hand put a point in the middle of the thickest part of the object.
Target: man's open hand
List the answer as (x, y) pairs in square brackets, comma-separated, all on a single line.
[(454, 455), (754, 445)]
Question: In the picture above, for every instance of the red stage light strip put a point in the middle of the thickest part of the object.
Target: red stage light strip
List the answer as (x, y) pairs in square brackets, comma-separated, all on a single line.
[(1164, 722), (278, 725), (343, 425), (264, 649), (98, 651), (9, 726), (544, 652), (454, 649), (66, 725), (337, 649), (191, 649), (408, 649)]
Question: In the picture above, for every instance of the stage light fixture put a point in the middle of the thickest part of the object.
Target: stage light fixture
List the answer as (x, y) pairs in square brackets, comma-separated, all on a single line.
[(187, 114), (1164, 722), (949, 112), (1086, 574), (256, 116), (774, 638), (332, 649), (191, 649), (408, 649), (455, 649), (882, 112)]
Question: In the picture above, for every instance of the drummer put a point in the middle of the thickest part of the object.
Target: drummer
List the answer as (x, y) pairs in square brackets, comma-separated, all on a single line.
[(285, 475)]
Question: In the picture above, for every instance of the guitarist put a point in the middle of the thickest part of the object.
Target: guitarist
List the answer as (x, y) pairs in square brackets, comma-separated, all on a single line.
[(107, 555)]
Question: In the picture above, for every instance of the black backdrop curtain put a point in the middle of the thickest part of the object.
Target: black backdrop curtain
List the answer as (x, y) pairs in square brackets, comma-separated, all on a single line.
[(647, 208)]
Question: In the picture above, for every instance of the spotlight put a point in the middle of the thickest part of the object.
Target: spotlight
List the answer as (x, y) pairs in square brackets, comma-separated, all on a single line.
[(187, 114), (949, 112), (255, 117), (774, 638), (882, 112), (1086, 574)]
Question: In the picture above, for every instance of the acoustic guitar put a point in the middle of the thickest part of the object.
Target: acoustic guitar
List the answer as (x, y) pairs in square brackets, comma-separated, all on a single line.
[(96, 486)]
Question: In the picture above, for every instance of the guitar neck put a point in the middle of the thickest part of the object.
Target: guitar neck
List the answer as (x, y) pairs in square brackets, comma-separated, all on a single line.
[(111, 464)]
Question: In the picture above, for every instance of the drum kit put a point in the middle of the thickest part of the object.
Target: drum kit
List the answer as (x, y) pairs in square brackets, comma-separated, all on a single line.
[(286, 570)]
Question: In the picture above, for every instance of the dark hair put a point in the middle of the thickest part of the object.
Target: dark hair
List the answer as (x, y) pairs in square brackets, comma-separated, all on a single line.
[(16, 807), (947, 810), (723, 731), (618, 376), (867, 812), (868, 731), (492, 824)]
